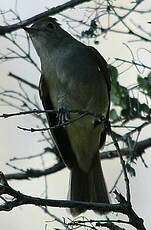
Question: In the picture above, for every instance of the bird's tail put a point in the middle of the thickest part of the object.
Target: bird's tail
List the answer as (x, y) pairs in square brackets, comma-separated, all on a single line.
[(88, 187)]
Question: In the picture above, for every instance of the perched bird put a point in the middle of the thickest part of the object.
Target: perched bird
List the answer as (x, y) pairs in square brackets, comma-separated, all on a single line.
[(74, 76)]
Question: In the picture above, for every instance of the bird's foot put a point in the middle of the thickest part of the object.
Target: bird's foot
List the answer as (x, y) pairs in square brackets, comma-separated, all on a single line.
[(63, 116)]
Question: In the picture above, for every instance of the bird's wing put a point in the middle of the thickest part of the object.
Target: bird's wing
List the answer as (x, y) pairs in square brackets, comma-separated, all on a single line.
[(103, 67), (102, 64), (59, 134)]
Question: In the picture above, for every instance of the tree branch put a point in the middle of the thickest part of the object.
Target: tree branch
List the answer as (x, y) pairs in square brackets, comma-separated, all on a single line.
[(35, 173), (139, 149), (20, 199), (52, 11)]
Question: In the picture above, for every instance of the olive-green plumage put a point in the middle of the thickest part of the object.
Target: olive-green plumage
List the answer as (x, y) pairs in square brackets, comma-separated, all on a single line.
[(74, 76)]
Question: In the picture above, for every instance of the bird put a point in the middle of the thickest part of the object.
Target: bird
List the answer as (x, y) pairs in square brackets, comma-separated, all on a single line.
[(74, 76)]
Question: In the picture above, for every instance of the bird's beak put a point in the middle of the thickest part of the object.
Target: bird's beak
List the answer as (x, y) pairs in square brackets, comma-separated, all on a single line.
[(29, 29)]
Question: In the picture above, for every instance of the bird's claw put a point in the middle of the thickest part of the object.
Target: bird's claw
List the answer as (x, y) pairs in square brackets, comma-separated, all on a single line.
[(63, 116)]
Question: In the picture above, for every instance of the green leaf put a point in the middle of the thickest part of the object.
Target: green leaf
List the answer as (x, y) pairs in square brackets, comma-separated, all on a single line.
[(145, 108), (114, 72), (113, 114), (145, 84)]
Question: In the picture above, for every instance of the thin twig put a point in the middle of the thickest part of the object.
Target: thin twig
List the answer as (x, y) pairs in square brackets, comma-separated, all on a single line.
[(123, 166), (133, 62), (23, 81)]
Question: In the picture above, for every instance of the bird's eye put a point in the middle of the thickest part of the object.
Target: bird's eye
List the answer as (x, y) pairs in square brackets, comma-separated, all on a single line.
[(50, 25)]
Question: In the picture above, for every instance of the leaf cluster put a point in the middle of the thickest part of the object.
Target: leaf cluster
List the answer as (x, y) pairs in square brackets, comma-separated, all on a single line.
[(130, 107)]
